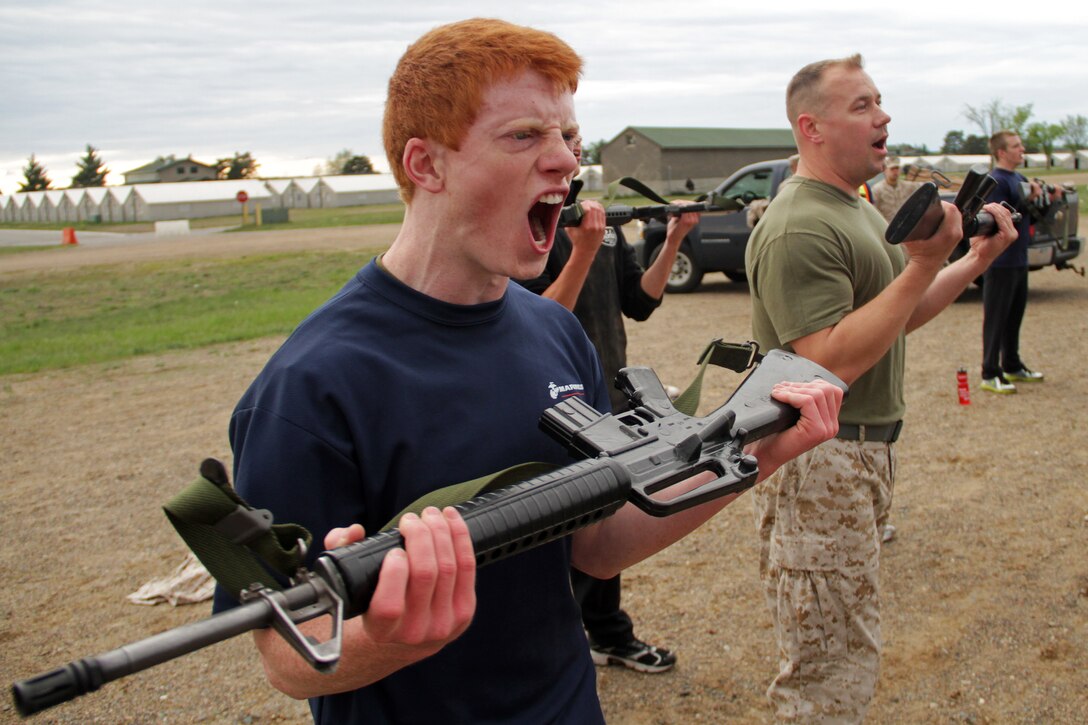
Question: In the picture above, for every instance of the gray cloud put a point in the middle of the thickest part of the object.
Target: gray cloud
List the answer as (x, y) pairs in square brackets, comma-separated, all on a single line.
[(292, 81)]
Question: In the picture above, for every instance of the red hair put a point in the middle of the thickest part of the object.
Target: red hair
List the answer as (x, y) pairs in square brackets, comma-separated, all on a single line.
[(438, 85)]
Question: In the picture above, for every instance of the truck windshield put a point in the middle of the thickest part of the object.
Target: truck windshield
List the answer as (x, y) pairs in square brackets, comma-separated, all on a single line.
[(754, 185)]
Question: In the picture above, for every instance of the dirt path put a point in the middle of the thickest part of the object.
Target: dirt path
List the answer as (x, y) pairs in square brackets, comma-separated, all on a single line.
[(986, 587)]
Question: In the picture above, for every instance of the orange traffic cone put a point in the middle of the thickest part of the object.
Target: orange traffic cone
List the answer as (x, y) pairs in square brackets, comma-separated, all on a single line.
[(68, 236)]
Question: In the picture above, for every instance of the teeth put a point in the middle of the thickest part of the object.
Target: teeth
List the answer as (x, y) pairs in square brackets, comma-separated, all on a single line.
[(552, 199)]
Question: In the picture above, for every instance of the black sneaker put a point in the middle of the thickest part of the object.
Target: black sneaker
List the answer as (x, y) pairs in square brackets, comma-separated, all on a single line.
[(635, 655)]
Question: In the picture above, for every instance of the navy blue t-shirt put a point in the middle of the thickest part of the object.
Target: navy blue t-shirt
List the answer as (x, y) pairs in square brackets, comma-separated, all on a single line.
[(1008, 190), (384, 394)]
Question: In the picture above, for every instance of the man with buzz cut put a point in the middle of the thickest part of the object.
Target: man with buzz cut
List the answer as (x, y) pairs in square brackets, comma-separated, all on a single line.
[(429, 368), (826, 285)]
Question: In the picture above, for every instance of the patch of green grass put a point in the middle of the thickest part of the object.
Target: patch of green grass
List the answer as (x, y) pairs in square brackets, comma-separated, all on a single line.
[(29, 248), (61, 319), (344, 216)]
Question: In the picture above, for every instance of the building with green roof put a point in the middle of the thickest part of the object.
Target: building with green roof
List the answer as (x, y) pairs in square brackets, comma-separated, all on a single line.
[(667, 158), (170, 169)]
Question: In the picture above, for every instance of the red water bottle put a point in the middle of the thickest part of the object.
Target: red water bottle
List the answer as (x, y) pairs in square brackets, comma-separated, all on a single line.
[(961, 385)]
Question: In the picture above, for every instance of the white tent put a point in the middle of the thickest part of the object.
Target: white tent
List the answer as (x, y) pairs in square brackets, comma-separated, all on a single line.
[(57, 206), (1035, 161), (357, 189), (1063, 160), (592, 178), (196, 199), (306, 192), (298, 193), (280, 190), (9, 207), (119, 204), (89, 206), (962, 162), (29, 206)]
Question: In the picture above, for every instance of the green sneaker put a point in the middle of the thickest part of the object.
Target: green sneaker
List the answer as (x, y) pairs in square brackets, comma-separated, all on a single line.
[(1023, 375), (998, 385)]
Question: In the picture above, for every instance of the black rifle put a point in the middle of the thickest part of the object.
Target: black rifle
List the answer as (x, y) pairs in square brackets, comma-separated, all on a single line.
[(1048, 200), (921, 214), (629, 457), (620, 214)]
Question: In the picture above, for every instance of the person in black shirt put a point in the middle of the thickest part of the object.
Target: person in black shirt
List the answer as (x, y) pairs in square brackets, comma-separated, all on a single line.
[(593, 272)]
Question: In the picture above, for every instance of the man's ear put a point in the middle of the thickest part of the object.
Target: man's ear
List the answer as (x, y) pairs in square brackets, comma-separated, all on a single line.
[(422, 162), (808, 127)]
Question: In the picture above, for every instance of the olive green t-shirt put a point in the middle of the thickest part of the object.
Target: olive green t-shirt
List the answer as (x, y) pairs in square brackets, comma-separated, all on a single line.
[(815, 256)]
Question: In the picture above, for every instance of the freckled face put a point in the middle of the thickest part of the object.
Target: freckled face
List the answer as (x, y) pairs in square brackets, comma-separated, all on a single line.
[(507, 182)]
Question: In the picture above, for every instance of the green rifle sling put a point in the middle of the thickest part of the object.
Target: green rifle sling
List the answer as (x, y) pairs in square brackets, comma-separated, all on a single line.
[(737, 357), (232, 539)]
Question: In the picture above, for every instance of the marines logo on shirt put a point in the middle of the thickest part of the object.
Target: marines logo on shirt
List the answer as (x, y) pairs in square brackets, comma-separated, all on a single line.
[(565, 391)]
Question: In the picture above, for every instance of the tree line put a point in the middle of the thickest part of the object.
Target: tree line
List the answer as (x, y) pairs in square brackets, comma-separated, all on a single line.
[(91, 169), (1069, 134)]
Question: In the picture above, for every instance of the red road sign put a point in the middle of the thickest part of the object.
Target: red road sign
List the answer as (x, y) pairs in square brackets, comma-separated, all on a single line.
[(242, 197)]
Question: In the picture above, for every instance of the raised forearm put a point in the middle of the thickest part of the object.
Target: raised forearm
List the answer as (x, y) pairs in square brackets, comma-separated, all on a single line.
[(568, 285), (657, 274), (946, 287)]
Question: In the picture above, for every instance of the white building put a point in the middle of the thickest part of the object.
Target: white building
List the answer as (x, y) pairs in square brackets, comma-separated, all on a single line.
[(89, 206), (187, 200), (358, 189)]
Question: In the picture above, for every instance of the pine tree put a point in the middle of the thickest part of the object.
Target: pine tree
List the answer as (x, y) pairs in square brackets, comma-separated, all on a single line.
[(91, 171), (35, 178)]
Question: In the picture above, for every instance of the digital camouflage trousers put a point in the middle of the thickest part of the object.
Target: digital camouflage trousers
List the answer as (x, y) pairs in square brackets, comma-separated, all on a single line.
[(819, 519)]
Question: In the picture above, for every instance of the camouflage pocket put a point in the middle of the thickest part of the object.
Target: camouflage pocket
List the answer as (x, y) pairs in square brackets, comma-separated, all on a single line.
[(806, 552)]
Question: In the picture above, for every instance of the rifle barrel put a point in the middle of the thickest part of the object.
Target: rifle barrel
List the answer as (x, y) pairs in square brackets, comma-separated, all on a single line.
[(90, 673)]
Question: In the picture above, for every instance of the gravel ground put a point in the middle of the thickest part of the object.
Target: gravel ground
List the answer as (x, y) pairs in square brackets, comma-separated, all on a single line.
[(985, 587)]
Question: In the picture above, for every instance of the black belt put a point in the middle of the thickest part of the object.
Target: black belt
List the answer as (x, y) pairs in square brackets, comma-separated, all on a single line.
[(872, 433)]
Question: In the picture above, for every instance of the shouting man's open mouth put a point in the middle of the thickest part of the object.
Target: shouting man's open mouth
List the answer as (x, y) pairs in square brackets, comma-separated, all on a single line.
[(543, 217)]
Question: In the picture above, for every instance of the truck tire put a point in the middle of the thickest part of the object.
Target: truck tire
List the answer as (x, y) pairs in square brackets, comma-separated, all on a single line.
[(686, 274)]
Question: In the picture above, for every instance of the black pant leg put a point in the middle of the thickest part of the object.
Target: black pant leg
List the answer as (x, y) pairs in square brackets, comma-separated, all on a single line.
[(996, 304), (1018, 304), (605, 622)]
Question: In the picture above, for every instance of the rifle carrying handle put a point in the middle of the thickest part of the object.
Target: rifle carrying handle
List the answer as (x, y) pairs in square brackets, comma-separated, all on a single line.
[(758, 414), (501, 523)]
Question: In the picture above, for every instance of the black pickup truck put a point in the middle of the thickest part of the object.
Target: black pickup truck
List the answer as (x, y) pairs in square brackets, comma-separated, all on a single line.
[(717, 243)]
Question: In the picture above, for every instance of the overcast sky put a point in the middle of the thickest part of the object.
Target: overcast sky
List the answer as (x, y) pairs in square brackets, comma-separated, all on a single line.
[(294, 82)]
